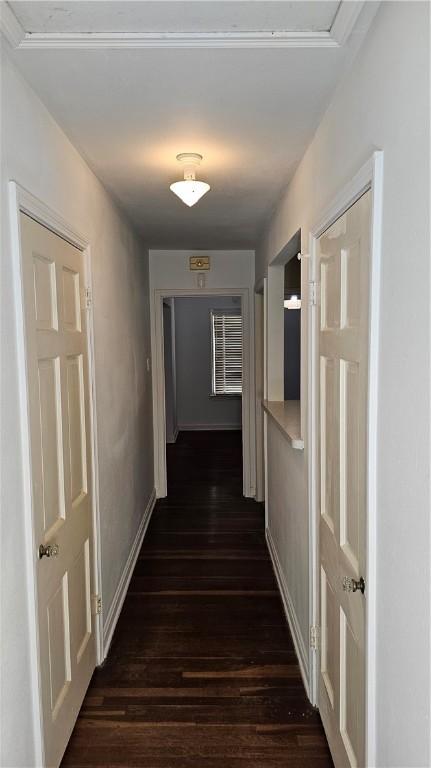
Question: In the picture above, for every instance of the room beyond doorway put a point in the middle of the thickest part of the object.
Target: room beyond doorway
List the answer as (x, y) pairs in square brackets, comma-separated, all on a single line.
[(190, 327), (202, 344)]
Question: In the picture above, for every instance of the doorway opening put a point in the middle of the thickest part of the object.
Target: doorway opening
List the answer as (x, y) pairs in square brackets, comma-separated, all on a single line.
[(292, 328), (238, 413), (203, 365)]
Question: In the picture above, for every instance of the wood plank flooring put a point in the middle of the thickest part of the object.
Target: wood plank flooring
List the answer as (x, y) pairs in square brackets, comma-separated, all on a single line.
[(202, 672)]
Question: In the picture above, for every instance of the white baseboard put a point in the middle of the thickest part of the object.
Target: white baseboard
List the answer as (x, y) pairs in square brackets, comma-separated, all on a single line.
[(123, 584), (207, 427), (292, 620)]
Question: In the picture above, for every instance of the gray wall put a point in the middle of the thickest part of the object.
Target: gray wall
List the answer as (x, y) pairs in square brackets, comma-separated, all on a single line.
[(195, 408)]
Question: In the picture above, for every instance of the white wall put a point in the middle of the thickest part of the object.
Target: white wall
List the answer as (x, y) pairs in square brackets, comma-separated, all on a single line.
[(196, 408), (170, 372), (37, 155), (382, 103), (229, 269), (288, 528)]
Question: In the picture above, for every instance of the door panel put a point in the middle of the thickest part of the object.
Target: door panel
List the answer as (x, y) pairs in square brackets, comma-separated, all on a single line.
[(77, 433), (80, 587), (328, 638), (343, 253), (57, 617), (350, 277), (71, 300), (51, 447), (328, 415), (57, 370), (351, 707), (350, 512), (45, 293)]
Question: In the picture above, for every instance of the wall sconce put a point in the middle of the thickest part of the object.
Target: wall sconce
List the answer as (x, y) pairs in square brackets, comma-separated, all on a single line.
[(293, 303)]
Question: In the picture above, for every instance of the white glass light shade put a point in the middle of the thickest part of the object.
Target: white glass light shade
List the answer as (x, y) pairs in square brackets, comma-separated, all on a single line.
[(293, 303), (190, 190)]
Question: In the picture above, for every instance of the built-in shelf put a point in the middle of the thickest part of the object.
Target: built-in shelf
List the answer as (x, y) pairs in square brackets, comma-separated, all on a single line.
[(287, 416)]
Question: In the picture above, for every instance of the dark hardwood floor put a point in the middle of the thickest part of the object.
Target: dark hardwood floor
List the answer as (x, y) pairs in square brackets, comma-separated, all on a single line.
[(201, 672)]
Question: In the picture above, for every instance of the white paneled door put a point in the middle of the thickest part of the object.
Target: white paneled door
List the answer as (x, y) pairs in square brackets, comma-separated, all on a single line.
[(343, 252), (57, 370)]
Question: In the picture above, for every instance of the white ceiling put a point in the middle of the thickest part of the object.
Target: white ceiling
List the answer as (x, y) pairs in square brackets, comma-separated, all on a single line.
[(249, 112), (177, 15)]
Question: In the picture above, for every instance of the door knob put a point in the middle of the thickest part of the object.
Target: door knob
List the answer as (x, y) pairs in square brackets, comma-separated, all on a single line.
[(51, 550), (351, 585)]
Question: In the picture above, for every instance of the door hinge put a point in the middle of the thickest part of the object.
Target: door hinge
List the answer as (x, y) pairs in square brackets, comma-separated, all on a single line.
[(88, 298), (97, 605), (313, 293), (315, 638)]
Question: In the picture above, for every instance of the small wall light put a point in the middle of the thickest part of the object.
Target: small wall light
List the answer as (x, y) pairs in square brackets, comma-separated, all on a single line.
[(190, 190), (293, 303)]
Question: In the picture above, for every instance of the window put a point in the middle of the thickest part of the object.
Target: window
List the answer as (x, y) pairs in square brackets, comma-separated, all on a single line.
[(226, 352)]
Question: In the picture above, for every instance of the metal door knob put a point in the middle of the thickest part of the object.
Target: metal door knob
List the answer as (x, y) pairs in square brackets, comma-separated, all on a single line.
[(351, 585), (51, 550)]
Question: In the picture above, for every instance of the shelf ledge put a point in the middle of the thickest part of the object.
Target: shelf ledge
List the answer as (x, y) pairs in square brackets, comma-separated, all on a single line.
[(287, 416)]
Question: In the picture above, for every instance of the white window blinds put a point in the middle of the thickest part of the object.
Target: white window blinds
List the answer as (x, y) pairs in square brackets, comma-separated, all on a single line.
[(226, 346)]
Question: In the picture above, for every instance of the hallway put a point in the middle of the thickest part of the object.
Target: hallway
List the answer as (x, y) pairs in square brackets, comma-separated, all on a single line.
[(202, 670)]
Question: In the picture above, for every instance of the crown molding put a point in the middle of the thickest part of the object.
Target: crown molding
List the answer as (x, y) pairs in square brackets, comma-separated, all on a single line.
[(341, 28), (276, 39), (10, 27), (345, 19)]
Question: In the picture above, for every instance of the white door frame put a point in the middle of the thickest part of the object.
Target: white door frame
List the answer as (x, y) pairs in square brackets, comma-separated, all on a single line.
[(158, 376), (369, 177), (259, 355), (22, 201)]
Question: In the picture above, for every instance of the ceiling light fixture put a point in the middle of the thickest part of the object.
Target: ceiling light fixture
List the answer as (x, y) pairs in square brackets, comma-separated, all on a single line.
[(190, 190)]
